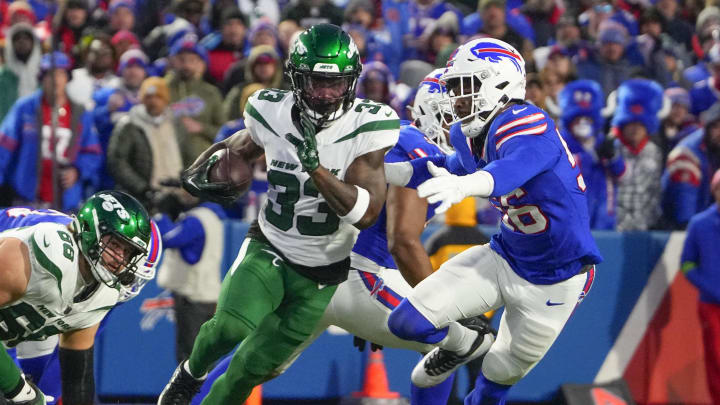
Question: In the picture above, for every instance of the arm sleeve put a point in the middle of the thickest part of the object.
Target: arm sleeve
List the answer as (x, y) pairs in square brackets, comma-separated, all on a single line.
[(521, 159), (616, 166)]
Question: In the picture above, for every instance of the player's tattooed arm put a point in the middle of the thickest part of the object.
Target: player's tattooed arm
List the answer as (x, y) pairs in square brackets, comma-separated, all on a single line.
[(366, 172), (406, 214), (14, 270)]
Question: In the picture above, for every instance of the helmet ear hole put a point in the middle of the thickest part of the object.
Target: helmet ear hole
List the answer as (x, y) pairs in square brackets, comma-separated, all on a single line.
[(502, 85)]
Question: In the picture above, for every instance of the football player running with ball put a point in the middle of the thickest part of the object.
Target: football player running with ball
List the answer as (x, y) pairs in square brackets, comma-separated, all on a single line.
[(60, 275), (539, 265), (324, 151)]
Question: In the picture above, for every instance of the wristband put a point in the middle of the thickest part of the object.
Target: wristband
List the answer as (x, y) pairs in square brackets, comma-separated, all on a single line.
[(360, 208)]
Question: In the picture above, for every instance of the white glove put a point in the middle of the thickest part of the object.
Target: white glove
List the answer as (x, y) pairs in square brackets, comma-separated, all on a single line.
[(449, 189)]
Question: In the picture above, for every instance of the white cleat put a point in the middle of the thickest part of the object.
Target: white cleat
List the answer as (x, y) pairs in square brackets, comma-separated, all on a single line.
[(436, 366)]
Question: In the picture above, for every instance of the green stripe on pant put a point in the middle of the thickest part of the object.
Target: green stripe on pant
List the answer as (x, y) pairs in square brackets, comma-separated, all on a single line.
[(269, 309)]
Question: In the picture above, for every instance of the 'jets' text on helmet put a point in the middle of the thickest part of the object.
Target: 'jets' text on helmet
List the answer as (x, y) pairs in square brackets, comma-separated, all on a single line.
[(481, 78), (324, 66), (112, 222)]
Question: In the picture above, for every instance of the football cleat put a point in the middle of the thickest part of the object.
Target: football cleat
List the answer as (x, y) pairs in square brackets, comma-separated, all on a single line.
[(181, 389), (38, 400), (439, 364)]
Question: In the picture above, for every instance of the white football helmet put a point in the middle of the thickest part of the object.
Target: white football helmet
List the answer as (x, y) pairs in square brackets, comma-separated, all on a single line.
[(426, 111), (482, 76)]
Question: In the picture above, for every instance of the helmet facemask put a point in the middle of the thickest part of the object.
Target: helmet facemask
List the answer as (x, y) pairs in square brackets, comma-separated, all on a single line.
[(428, 117), (114, 259), (472, 101), (324, 97)]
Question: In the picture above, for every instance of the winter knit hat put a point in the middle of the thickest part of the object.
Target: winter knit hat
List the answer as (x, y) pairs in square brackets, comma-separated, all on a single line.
[(155, 86)]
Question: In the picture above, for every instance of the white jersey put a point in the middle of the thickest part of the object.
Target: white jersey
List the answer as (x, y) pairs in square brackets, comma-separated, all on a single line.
[(47, 308), (296, 218)]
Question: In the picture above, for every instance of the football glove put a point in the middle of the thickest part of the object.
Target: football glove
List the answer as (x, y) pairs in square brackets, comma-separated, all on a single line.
[(307, 147), (195, 181), (449, 189)]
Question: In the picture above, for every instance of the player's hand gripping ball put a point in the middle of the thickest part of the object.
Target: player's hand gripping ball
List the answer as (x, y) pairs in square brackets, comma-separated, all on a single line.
[(223, 177)]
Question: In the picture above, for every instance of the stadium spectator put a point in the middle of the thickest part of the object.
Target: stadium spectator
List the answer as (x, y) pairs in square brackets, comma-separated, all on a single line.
[(655, 46), (494, 25), (707, 29), (157, 43), (635, 120), (608, 65), (16, 12), (441, 39), (98, 72), (704, 93), (263, 67), (286, 30), (122, 16), (372, 37), (21, 65), (535, 90), (686, 181), (542, 14), (601, 164), (191, 268), (422, 15), (113, 103), (376, 83), (144, 150), (226, 46), (311, 12), (701, 266), (679, 123), (677, 28), (124, 40), (74, 22), (196, 103), (26, 136)]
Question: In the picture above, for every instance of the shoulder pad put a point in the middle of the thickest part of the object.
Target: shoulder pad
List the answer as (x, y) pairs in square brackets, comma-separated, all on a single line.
[(56, 252), (414, 143)]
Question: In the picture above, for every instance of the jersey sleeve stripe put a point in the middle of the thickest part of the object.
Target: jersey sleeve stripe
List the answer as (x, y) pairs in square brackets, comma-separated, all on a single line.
[(370, 127), (47, 263), (520, 121), (259, 118), (420, 153), (529, 131)]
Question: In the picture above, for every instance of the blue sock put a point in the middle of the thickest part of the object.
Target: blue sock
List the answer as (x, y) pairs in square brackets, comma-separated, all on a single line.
[(51, 383), (438, 394), (35, 367), (408, 323), (487, 392), (212, 376)]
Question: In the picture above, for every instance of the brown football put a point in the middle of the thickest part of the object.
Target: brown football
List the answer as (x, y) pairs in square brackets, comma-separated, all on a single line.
[(231, 168)]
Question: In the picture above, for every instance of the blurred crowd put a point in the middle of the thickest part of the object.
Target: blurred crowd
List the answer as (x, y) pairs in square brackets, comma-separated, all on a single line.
[(136, 89)]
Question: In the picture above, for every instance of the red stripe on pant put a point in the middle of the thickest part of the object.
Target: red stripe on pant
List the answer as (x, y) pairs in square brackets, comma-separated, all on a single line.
[(710, 324)]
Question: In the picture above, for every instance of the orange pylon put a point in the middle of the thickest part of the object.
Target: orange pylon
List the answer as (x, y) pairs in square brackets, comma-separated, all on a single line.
[(376, 382), (255, 397)]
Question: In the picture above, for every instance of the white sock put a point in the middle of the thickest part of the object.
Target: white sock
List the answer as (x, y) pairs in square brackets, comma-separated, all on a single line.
[(186, 367), (459, 339), (26, 393)]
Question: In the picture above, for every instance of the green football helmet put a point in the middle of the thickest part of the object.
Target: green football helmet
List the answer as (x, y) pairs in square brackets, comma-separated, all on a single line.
[(324, 66), (111, 222)]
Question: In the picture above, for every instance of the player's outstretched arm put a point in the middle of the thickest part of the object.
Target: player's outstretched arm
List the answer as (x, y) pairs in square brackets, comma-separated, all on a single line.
[(14, 270), (76, 366), (406, 213)]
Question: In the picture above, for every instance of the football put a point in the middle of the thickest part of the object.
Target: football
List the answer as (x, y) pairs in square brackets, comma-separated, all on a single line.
[(232, 169)]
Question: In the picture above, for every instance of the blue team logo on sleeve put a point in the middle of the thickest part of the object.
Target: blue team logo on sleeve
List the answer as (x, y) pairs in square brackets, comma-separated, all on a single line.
[(491, 52)]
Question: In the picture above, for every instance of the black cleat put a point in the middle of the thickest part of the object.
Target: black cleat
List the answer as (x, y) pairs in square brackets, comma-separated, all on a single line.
[(181, 389)]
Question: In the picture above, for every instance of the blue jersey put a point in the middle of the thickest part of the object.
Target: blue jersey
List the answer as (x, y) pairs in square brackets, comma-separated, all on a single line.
[(372, 242), (18, 217), (545, 233)]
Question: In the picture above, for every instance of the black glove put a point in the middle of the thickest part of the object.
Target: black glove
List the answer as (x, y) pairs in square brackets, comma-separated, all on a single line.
[(606, 149), (360, 343), (195, 181)]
